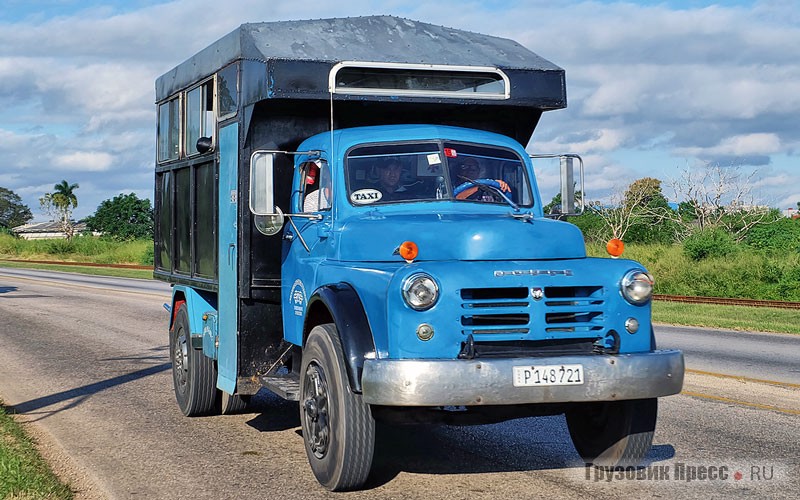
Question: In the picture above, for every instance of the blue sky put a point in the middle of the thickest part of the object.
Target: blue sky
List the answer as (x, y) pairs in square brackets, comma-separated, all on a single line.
[(654, 87)]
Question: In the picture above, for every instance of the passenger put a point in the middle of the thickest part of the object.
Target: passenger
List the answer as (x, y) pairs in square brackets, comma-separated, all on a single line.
[(389, 176), (470, 170)]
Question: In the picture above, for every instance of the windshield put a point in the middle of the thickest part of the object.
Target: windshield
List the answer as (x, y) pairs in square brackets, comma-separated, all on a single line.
[(430, 171)]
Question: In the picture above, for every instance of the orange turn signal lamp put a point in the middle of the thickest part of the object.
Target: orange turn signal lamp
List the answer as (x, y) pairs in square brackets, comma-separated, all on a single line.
[(615, 247), (408, 250)]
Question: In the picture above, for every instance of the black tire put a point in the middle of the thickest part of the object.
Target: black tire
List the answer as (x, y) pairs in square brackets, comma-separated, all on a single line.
[(229, 405), (614, 433), (194, 374), (338, 428)]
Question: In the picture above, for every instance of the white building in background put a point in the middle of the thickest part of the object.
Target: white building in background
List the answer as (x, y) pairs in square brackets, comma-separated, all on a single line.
[(47, 230)]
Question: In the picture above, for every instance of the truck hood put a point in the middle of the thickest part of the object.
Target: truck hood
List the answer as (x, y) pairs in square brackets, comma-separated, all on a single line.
[(374, 237)]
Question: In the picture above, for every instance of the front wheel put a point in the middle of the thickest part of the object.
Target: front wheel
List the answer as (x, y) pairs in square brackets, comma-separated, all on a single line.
[(338, 428), (613, 433)]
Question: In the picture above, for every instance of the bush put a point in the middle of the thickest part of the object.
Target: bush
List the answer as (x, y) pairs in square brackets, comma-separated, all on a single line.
[(148, 257), (592, 226), (781, 235), (747, 273), (713, 242), (124, 218), (60, 247), (9, 245)]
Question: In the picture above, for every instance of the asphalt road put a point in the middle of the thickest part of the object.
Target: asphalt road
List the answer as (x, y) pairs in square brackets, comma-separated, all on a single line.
[(87, 363), (748, 354)]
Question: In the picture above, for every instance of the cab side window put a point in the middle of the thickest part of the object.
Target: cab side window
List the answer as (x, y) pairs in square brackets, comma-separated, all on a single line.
[(199, 116), (317, 186)]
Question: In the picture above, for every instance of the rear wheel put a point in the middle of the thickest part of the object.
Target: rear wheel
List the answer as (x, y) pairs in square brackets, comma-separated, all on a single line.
[(230, 404), (338, 428), (613, 433), (193, 374)]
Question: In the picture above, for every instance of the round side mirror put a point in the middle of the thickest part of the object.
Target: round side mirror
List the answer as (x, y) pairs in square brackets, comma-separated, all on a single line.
[(203, 145), (269, 225)]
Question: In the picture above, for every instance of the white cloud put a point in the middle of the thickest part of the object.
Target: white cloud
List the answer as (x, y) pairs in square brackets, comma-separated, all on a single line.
[(776, 180), (84, 161), (596, 141), (738, 146), (77, 90), (789, 201)]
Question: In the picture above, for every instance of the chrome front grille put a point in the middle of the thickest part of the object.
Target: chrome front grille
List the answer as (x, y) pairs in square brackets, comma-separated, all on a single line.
[(573, 308), (512, 310)]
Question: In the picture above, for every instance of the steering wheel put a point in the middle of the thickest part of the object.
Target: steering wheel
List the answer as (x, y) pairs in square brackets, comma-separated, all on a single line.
[(486, 182)]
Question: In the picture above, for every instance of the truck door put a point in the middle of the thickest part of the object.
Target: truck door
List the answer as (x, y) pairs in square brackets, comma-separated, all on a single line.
[(228, 257), (305, 244)]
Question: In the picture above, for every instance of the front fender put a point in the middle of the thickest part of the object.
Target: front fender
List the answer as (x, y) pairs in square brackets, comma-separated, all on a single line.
[(347, 312)]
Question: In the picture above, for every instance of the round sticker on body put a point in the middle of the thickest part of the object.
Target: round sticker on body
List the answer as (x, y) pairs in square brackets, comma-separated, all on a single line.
[(365, 196)]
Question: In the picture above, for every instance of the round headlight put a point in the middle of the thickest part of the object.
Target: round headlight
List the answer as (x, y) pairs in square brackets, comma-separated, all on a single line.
[(637, 287), (420, 291)]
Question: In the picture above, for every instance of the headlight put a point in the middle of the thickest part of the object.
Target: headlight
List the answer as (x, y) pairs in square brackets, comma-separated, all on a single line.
[(637, 287), (420, 291)]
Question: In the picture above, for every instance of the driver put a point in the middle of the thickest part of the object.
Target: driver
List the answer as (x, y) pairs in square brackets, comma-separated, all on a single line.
[(469, 171)]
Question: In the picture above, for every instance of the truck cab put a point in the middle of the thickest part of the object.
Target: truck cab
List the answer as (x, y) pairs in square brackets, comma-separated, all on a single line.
[(379, 249)]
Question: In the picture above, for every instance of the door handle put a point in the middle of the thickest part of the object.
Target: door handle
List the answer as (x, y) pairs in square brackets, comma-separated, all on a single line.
[(231, 252)]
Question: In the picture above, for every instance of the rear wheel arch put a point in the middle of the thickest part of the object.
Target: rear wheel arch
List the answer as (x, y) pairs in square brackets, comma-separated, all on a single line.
[(178, 299)]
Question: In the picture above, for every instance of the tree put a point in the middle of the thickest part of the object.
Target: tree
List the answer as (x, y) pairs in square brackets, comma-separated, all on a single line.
[(717, 196), (13, 212), (59, 205), (554, 207), (655, 221), (625, 208), (64, 193), (590, 224), (123, 217), (648, 191)]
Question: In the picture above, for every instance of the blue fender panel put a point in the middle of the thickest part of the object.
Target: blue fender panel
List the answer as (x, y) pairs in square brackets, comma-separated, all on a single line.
[(351, 323), (197, 303)]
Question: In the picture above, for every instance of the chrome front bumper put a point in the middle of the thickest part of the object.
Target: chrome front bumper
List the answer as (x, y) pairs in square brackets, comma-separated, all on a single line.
[(489, 381)]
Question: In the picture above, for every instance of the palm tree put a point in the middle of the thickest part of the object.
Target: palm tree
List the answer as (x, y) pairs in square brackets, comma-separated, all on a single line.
[(61, 202), (64, 195)]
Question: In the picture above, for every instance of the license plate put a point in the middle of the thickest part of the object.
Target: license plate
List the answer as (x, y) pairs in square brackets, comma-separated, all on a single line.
[(536, 376)]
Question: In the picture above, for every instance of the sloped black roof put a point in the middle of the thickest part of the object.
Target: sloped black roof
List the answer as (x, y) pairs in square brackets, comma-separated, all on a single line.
[(370, 38), (47, 227)]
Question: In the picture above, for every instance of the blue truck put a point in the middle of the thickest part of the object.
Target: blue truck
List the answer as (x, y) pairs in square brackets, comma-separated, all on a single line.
[(349, 218)]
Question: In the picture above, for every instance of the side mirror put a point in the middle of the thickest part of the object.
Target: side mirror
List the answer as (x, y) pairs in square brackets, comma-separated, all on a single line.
[(571, 200), (262, 201), (568, 186), (268, 218), (203, 145)]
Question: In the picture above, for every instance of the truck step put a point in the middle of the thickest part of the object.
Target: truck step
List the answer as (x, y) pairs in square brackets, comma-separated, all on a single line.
[(286, 386)]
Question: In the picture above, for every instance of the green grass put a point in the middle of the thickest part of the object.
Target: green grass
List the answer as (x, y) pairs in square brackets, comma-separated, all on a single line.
[(756, 319), (747, 273), (23, 472), (79, 249)]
